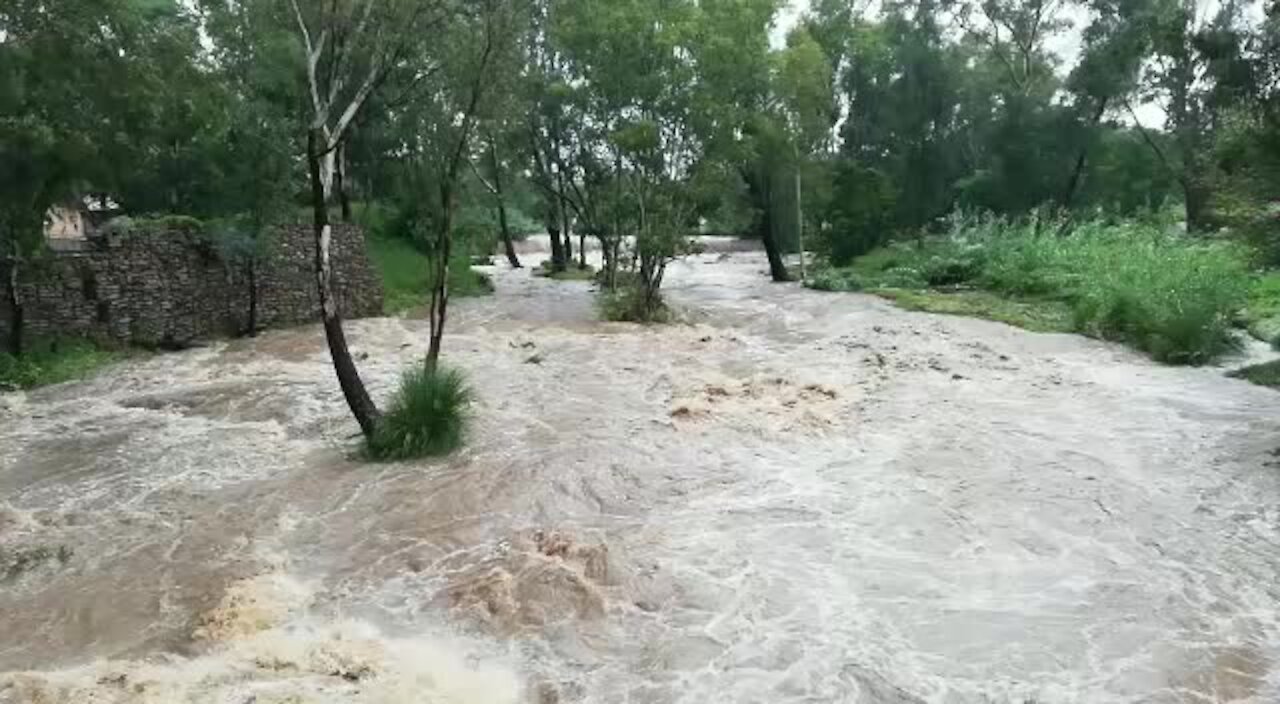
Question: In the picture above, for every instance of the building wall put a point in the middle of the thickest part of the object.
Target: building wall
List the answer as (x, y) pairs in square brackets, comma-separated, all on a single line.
[(172, 288)]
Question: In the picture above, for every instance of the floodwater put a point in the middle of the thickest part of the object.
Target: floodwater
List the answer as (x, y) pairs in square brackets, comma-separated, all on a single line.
[(793, 497)]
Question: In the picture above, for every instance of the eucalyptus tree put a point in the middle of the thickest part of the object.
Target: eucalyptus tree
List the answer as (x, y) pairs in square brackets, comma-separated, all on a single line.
[(475, 51), (351, 48)]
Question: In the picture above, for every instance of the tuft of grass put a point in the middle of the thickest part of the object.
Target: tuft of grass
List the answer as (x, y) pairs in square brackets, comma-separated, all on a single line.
[(627, 305), (54, 361), (427, 417), (1265, 374), (406, 275), (571, 273), (1170, 295)]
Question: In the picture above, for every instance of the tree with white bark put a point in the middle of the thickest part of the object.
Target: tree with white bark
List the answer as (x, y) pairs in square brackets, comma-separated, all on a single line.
[(352, 48)]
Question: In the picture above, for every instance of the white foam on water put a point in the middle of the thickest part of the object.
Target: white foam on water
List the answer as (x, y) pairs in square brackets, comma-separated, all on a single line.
[(262, 647)]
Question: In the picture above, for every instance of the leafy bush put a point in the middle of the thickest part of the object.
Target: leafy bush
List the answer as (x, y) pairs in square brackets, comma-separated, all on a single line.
[(835, 280), (628, 305), (861, 212), (53, 362), (573, 272), (427, 417)]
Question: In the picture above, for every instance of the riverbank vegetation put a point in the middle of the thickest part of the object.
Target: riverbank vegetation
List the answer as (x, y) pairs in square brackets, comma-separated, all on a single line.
[(47, 362), (1172, 296)]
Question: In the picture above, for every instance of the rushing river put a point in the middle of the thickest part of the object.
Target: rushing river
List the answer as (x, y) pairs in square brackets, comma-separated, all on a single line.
[(795, 497)]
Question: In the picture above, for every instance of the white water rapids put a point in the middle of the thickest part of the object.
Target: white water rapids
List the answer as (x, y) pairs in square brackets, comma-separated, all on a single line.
[(795, 497)]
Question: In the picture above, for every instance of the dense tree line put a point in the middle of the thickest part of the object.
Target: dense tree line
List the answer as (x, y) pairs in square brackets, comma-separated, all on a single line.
[(633, 123)]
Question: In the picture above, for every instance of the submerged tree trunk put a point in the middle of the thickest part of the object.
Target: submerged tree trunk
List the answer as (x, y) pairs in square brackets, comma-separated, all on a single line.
[(340, 182), (777, 267), (567, 233), (253, 298), (17, 324), (557, 250), (440, 286), (353, 389), (554, 219), (504, 228), (508, 246), (758, 190), (582, 250)]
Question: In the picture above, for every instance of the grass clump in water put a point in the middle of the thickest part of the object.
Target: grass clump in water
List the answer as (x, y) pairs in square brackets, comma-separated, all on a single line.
[(1265, 374), (53, 362), (572, 272), (428, 416), (628, 304), (1170, 295)]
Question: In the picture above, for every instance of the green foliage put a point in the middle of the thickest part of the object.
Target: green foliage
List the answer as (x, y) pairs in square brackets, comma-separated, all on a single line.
[(52, 362), (1262, 312), (427, 417), (1171, 296), (860, 213), (629, 304), (406, 275)]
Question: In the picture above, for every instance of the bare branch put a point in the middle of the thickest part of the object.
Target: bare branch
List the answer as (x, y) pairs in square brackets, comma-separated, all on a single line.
[(480, 177)]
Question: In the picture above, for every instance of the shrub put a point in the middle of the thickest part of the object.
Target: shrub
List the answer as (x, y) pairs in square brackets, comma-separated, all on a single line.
[(572, 272), (627, 304), (861, 214), (427, 417)]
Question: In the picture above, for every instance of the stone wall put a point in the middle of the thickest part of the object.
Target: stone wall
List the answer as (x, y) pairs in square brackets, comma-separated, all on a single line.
[(172, 288)]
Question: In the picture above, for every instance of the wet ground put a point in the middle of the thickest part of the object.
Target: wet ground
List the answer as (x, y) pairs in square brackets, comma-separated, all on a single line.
[(792, 497)]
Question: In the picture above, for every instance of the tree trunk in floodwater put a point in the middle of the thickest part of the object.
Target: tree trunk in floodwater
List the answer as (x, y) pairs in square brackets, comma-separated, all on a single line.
[(504, 228), (17, 322), (508, 247), (253, 298), (557, 251), (440, 287), (567, 233), (353, 390), (759, 192), (582, 250), (340, 182)]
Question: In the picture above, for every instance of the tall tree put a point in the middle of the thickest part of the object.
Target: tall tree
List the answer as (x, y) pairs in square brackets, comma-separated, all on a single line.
[(351, 49)]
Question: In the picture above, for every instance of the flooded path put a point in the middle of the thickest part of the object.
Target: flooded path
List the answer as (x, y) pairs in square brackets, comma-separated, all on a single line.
[(796, 497)]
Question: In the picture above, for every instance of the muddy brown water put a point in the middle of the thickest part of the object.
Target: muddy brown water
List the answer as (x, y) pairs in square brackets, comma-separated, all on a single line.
[(793, 497)]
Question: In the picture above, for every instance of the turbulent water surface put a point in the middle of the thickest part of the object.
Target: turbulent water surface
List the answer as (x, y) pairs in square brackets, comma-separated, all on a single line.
[(795, 497)]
